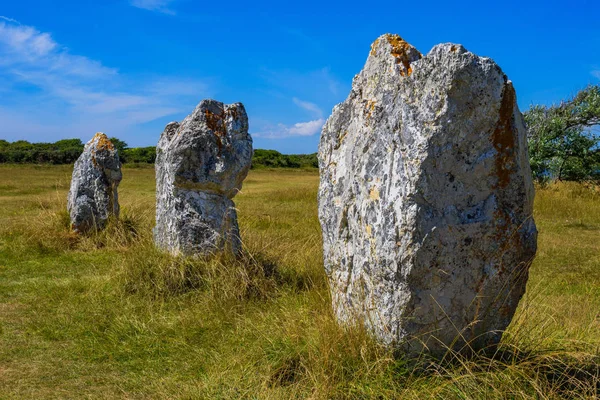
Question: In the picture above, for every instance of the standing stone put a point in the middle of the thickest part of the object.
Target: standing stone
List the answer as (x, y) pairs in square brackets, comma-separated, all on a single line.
[(425, 199), (93, 195), (200, 166)]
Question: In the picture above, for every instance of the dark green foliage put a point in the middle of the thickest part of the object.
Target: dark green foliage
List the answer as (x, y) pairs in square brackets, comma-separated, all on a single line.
[(274, 159), (62, 152), (121, 147), (66, 152), (138, 155), (562, 142)]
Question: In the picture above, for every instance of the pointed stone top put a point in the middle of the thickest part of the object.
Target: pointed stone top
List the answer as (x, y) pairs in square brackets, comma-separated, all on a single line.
[(393, 45), (101, 141)]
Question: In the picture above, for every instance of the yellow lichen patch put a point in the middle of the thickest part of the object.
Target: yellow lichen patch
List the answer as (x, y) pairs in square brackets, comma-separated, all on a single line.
[(374, 194), (368, 229), (103, 142), (400, 50), (370, 107), (373, 47), (373, 243), (342, 136)]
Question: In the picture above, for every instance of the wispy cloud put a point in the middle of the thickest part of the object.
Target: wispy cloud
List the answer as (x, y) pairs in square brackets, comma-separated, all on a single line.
[(82, 91), (308, 106), (282, 131), (596, 73), (8, 19), (24, 41), (161, 6), (26, 50)]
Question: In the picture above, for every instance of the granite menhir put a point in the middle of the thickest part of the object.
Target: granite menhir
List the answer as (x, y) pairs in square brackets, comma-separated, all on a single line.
[(425, 199), (93, 196), (200, 165)]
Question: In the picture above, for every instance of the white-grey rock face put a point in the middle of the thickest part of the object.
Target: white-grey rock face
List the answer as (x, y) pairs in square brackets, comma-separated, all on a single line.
[(425, 199), (93, 195), (200, 166)]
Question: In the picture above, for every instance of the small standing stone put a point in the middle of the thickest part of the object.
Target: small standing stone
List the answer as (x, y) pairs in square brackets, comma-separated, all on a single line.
[(93, 195), (200, 166), (426, 199)]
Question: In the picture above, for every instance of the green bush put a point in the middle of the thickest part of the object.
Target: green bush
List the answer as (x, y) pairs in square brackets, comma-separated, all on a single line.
[(139, 155), (62, 152), (562, 144), (274, 159)]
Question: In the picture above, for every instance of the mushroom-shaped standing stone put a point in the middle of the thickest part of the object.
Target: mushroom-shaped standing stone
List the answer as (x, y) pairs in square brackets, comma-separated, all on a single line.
[(93, 195), (200, 166), (425, 199)]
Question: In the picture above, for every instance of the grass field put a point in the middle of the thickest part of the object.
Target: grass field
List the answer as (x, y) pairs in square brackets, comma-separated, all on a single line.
[(107, 316)]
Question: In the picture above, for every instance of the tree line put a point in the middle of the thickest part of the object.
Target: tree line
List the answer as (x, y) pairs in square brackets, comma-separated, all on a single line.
[(68, 150), (563, 139)]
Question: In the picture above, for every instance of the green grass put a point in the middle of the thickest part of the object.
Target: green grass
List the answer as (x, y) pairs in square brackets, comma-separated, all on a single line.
[(108, 316)]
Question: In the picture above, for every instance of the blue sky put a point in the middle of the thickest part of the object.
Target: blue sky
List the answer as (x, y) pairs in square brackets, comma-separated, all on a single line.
[(128, 67)]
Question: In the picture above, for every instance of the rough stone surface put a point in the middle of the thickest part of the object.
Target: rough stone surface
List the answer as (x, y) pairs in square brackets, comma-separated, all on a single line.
[(200, 166), (93, 195), (425, 199)]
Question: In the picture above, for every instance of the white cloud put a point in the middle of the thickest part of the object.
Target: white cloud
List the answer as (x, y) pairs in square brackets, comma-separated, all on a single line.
[(281, 131), (268, 130), (25, 41), (161, 6), (72, 95), (308, 106), (9, 19), (25, 49), (307, 128)]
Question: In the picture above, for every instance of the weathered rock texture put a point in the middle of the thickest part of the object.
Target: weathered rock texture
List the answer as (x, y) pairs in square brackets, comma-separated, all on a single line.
[(200, 166), (93, 195), (425, 199)]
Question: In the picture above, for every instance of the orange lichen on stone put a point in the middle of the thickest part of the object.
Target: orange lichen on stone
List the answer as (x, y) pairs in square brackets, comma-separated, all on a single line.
[(504, 141), (215, 122), (400, 50), (453, 49), (373, 47), (103, 142), (370, 107), (503, 137)]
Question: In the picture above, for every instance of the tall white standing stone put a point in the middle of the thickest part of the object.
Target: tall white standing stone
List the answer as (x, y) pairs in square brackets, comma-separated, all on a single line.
[(93, 195), (200, 166), (425, 199)]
